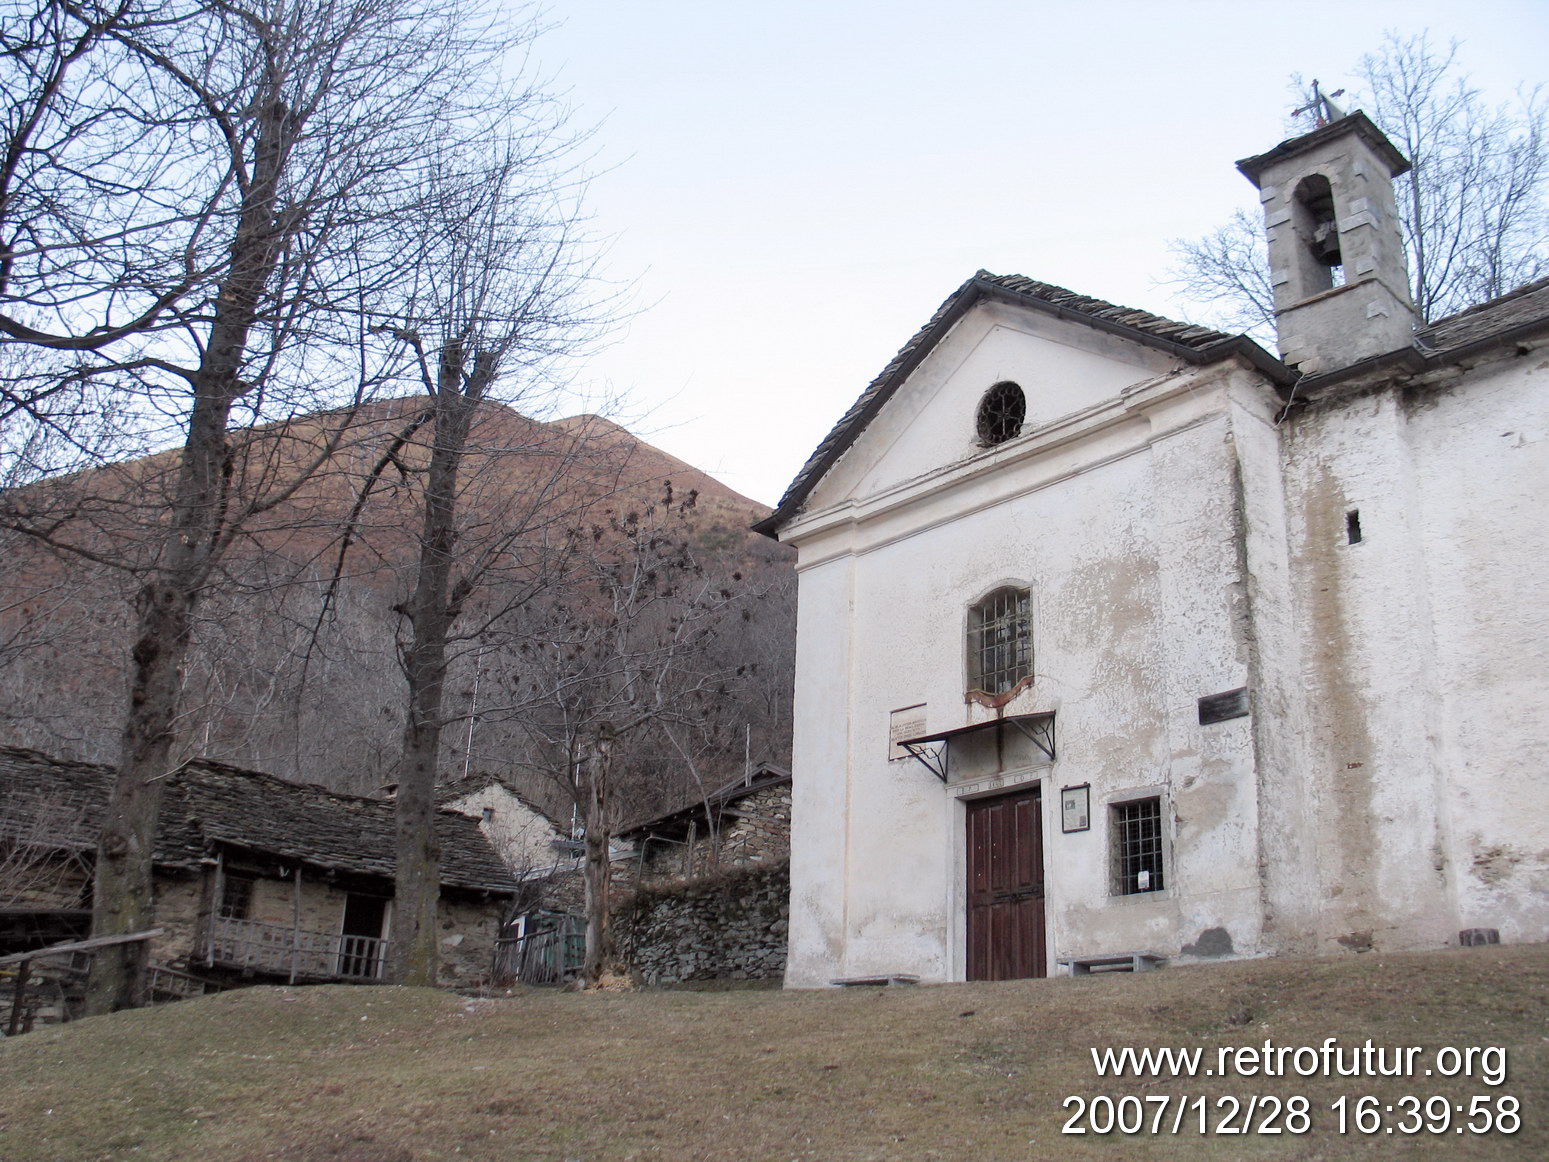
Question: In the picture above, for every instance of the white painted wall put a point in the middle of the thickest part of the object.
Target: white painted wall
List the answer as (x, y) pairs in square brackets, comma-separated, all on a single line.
[(1182, 535), (1118, 512), (1486, 548), (1427, 650)]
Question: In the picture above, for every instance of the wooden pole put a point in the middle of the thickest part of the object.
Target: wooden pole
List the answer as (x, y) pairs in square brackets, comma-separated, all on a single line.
[(16, 1000), (218, 900), (295, 921)]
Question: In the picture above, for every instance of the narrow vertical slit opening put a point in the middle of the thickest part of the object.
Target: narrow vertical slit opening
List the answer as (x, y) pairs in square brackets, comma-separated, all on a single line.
[(1353, 526)]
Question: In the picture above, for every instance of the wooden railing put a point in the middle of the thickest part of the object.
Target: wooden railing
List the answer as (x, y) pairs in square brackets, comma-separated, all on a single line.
[(276, 948), (165, 984)]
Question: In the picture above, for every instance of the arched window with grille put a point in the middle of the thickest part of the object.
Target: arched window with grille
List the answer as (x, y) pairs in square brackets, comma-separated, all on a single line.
[(1000, 641)]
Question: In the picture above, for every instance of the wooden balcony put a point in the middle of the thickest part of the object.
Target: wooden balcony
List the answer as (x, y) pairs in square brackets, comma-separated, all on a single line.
[(279, 950)]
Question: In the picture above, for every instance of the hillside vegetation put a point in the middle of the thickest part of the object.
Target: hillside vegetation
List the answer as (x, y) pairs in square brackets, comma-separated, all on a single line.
[(982, 1070), (296, 661)]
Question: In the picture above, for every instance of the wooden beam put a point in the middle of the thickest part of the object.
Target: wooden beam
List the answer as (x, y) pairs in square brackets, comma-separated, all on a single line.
[(295, 920), (82, 945)]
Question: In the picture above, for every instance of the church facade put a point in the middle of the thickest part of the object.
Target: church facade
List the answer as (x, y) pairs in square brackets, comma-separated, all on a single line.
[(1117, 634)]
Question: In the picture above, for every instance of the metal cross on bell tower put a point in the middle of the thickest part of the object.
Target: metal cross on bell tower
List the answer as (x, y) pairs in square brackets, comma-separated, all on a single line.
[(1321, 106)]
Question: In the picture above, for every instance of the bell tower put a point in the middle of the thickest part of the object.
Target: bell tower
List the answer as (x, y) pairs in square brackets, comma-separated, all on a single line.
[(1336, 250)]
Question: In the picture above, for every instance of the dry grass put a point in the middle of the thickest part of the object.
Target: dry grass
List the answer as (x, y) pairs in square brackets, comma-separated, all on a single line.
[(393, 1075)]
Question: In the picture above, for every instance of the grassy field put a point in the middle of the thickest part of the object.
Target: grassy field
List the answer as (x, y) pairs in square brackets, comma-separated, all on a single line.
[(950, 1072)]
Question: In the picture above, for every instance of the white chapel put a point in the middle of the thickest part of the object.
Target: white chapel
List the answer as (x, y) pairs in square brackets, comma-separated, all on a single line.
[(1117, 634)]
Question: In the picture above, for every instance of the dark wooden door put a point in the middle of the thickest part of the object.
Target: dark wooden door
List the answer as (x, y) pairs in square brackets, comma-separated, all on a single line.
[(1005, 887)]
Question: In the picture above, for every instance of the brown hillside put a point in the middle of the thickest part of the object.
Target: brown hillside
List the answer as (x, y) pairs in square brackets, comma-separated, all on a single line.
[(295, 668)]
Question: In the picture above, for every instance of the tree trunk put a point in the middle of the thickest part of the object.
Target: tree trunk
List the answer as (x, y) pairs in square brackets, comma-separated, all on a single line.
[(122, 891), (597, 873), (414, 958), (196, 536)]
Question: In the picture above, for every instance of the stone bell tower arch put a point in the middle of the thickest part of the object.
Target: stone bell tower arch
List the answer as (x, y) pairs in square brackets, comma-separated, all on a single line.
[(1336, 248)]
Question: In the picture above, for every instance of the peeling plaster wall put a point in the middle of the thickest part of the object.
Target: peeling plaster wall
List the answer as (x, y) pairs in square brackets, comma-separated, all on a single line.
[(521, 836), (1183, 533), (1486, 535), (1364, 615), (1123, 516), (1427, 646), (1269, 641)]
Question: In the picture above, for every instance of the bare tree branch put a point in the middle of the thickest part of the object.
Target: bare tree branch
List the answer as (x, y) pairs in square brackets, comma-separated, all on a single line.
[(1474, 206)]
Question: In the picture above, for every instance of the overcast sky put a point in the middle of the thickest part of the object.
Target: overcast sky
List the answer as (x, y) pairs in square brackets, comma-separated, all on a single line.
[(794, 186)]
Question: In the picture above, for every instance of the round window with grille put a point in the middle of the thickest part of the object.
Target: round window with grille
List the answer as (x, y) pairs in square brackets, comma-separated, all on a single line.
[(1001, 413)]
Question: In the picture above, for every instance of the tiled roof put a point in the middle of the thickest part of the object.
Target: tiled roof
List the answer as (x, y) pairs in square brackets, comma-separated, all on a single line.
[(1197, 344), (207, 803)]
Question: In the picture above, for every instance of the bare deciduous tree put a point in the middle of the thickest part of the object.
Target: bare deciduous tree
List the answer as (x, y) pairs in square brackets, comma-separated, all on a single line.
[(503, 290), (201, 207), (622, 655), (1474, 205)]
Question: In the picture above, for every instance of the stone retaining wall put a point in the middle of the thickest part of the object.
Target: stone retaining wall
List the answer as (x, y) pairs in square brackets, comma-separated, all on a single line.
[(729, 927)]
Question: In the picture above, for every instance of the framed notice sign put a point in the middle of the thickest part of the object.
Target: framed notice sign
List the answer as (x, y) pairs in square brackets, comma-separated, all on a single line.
[(1076, 808)]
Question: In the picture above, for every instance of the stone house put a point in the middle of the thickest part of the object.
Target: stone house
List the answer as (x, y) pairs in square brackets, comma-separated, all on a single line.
[(520, 832), (1117, 634), (256, 878), (744, 823), (709, 885)]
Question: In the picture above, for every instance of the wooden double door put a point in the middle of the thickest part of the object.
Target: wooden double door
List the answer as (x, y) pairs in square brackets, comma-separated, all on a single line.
[(1005, 887)]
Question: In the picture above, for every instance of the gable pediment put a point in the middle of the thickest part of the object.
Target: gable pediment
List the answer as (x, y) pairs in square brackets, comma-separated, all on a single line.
[(918, 415), (930, 420)]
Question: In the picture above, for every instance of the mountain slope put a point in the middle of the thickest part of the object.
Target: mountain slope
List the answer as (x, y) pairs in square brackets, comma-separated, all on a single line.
[(295, 667)]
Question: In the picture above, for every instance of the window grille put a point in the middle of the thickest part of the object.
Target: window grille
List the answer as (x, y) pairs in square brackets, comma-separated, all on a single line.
[(1137, 847), (1002, 412), (1000, 641)]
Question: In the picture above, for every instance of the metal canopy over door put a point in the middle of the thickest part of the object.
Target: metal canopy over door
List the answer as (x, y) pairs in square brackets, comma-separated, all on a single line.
[(1005, 887)]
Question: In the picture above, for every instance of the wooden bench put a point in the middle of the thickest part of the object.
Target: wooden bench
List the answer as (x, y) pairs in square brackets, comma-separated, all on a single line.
[(1112, 962), (888, 979)]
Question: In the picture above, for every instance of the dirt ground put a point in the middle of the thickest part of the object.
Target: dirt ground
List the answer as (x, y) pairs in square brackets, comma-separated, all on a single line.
[(984, 1070)]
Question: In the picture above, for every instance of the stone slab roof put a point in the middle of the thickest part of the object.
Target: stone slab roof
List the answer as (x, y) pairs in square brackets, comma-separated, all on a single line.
[(1525, 307), (471, 784), (206, 804), (1521, 312), (52, 800), (1193, 343), (764, 775)]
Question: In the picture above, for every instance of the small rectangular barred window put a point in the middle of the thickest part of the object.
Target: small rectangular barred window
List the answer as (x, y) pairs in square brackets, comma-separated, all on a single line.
[(1137, 847)]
